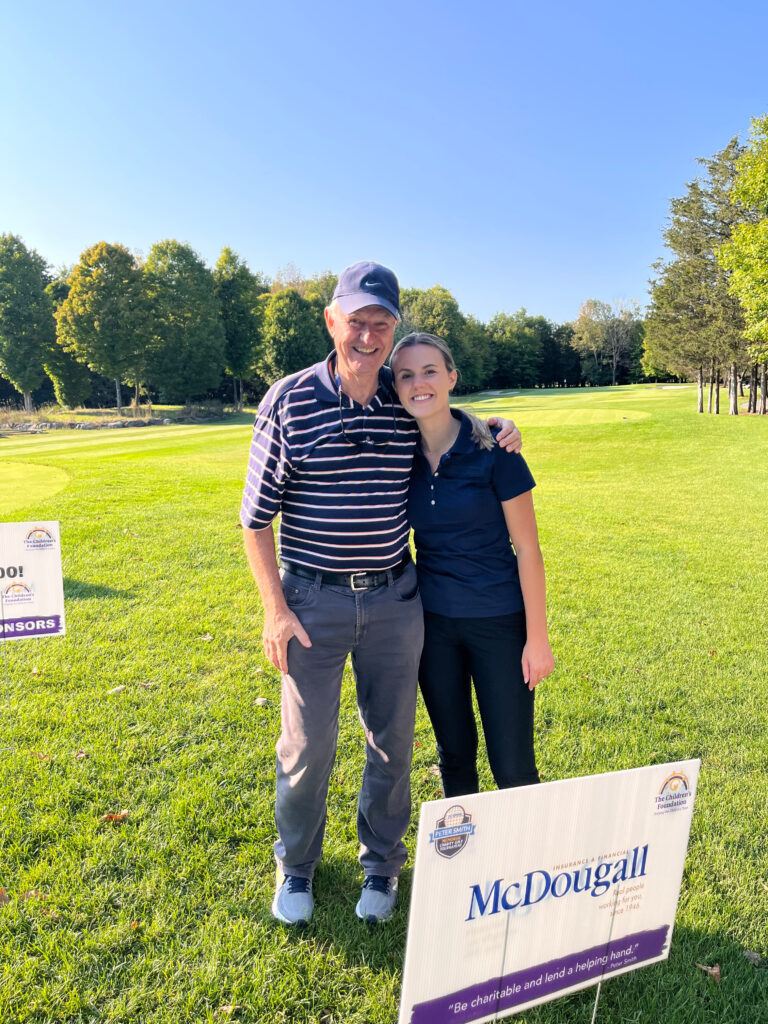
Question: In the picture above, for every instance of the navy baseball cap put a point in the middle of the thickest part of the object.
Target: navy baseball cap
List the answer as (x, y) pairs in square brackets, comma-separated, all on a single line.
[(367, 284)]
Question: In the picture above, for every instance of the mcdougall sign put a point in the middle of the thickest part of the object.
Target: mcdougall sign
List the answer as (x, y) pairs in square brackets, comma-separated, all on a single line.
[(539, 884), (552, 888)]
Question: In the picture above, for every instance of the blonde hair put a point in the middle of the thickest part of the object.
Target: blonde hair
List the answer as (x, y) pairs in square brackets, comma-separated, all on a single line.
[(481, 432)]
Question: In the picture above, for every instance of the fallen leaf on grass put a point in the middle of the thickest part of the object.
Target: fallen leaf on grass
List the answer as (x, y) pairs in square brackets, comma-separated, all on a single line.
[(206, 637), (116, 689), (4, 897), (32, 894), (261, 701), (135, 925), (147, 686), (35, 671), (116, 819), (54, 916), (434, 769), (230, 1009), (416, 743), (40, 756), (713, 972), (81, 755), (754, 958)]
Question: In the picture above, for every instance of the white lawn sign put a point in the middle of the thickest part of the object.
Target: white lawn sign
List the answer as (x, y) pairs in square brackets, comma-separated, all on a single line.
[(523, 895), (31, 586)]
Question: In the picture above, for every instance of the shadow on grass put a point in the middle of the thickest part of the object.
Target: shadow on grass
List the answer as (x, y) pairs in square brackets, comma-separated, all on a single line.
[(335, 925), (75, 590), (675, 991)]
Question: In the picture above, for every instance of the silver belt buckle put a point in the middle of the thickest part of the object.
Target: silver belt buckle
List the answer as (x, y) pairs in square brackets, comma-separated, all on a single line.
[(352, 582)]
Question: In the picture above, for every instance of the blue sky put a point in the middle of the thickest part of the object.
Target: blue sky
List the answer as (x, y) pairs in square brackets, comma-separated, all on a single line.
[(519, 155)]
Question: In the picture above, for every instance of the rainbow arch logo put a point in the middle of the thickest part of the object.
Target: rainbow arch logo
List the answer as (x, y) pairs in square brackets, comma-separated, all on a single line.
[(39, 537), (17, 593), (674, 794), (674, 783)]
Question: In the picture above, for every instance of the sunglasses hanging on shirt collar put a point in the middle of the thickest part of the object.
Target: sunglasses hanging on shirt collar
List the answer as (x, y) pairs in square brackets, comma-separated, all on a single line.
[(360, 438)]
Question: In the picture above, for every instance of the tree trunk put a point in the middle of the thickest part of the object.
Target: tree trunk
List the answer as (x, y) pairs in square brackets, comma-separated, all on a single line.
[(28, 401), (118, 397), (701, 389), (136, 400), (753, 388), (711, 384), (763, 402), (717, 390), (734, 390)]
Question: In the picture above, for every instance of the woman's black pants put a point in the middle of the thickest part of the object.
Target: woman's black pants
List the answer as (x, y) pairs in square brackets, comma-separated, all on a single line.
[(486, 652)]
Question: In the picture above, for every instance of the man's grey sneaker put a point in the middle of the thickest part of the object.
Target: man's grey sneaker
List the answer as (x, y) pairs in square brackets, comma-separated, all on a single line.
[(293, 900), (377, 900)]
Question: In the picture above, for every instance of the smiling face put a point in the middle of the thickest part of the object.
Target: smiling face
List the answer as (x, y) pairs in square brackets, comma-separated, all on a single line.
[(363, 341), (423, 381)]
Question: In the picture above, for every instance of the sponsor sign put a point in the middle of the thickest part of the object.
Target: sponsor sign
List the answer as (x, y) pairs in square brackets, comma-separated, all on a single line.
[(523, 895), (31, 586)]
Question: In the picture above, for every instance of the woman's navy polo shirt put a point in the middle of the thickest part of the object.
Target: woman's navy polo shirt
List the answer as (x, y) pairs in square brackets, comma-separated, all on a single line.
[(466, 564)]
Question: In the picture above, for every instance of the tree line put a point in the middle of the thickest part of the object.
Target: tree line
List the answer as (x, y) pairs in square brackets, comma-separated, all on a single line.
[(708, 315), (174, 330)]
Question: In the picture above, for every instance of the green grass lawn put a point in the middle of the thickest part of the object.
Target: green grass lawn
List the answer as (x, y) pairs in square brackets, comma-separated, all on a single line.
[(653, 523)]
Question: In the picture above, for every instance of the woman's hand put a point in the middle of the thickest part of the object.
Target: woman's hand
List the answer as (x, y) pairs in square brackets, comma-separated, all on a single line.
[(538, 662)]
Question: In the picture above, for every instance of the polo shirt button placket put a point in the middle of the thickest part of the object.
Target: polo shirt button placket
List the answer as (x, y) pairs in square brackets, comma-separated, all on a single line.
[(437, 474)]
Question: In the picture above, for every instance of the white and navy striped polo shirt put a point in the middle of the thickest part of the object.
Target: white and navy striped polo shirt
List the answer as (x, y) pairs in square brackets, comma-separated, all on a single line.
[(343, 504)]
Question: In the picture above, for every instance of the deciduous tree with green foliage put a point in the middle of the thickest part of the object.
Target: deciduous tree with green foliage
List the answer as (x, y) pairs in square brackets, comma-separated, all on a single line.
[(291, 337), (745, 255), (185, 357), (517, 345), (71, 378), (105, 319), (237, 291), (560, 363), (26, 316), (435, 311), (319, 289), (606, 337)]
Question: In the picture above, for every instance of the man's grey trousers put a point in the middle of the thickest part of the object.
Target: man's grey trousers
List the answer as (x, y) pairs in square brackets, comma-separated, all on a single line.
[(383, 630)]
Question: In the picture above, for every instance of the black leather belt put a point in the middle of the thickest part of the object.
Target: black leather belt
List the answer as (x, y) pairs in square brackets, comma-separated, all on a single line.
[(354, 580)]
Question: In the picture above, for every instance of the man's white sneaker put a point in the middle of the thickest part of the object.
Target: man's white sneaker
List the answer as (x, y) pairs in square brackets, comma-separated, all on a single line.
[(377, 900), (293, 902)]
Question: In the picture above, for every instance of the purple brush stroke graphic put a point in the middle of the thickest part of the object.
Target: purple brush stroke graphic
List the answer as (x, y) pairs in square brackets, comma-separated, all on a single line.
[(500, 993)]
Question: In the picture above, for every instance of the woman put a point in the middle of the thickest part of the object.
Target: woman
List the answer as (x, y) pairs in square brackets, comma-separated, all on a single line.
[(484, 603)]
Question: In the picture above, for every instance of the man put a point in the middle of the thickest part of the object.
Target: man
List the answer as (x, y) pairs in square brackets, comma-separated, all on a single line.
[(332, 450)]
